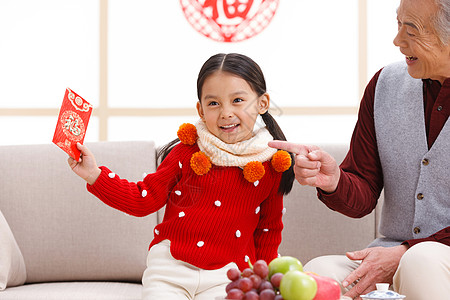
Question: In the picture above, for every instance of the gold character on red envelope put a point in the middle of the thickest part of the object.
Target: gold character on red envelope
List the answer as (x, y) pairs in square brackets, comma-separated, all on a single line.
[(72, 123)]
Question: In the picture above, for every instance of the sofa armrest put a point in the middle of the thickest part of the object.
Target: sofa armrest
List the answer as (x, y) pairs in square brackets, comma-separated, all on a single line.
[(64, 232)]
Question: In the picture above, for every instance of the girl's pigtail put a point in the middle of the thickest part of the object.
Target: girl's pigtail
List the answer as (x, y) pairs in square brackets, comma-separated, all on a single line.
[(165, 150), (287, 179)]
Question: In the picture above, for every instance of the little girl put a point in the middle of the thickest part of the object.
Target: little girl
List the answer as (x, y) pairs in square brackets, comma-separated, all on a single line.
[(220, 182)]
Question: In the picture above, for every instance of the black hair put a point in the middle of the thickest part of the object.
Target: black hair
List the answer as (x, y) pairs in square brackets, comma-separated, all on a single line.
[(244, 67)]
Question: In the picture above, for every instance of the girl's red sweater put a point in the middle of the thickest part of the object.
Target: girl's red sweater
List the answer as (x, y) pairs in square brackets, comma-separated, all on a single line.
[(212, 219)]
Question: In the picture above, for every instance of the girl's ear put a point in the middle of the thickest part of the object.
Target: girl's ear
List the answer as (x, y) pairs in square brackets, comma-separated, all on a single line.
[(200, 110), (264, 103)]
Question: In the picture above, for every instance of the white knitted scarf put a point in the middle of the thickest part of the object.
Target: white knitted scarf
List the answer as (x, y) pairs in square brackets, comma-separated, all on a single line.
[(238, 154)]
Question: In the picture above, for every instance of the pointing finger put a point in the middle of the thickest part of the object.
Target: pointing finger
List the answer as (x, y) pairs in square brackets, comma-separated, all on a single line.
[(290, 147)]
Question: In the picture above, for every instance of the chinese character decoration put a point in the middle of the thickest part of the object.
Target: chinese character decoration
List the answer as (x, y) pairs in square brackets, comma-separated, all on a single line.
[(229, 20)]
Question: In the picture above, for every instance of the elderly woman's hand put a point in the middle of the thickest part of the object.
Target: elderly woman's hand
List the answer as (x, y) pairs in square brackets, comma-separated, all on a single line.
[(378, 265), (313, 166)]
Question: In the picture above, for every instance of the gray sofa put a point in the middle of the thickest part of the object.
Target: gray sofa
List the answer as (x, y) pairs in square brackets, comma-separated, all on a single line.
[(63, 243)]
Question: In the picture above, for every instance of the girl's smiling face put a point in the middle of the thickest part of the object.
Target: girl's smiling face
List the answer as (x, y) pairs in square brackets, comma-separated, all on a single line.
[(229, 107)]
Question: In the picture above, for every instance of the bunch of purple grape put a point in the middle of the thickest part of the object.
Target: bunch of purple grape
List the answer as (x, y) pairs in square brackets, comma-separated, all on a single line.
[(253, 283)]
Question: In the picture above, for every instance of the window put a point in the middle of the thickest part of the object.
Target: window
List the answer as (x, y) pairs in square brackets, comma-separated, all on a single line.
[(137, 63)]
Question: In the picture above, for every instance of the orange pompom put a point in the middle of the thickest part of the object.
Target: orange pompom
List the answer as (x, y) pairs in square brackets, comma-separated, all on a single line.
[(254, 171), (281, 161), (200, 163), (187, 133)]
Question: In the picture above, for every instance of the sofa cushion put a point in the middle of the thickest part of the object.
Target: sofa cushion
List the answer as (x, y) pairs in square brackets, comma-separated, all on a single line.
[(12, 265), (311, 229), (65, 233), (74, 291)]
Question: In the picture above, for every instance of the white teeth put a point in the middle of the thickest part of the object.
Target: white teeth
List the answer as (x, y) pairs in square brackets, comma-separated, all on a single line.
[(229, 126)]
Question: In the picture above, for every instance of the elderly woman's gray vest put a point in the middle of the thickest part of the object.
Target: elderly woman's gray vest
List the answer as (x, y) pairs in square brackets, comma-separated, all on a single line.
[(416, 180)]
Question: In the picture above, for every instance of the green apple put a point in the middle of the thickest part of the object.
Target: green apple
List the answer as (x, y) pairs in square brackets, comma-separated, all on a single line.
[(296, 285), (283, 264)]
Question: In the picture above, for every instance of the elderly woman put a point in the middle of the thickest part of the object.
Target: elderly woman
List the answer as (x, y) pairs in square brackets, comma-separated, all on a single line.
[(401, 143)]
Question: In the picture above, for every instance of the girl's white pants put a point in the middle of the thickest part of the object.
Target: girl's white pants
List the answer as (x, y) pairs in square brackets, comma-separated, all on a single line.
[(170, 279), (423, 272)]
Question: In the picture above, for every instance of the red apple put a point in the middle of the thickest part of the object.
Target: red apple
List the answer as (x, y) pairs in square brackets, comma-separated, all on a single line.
[(327, 288)]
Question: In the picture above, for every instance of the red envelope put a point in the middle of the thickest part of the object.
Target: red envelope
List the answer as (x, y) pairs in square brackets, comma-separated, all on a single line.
[(72, 122)]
